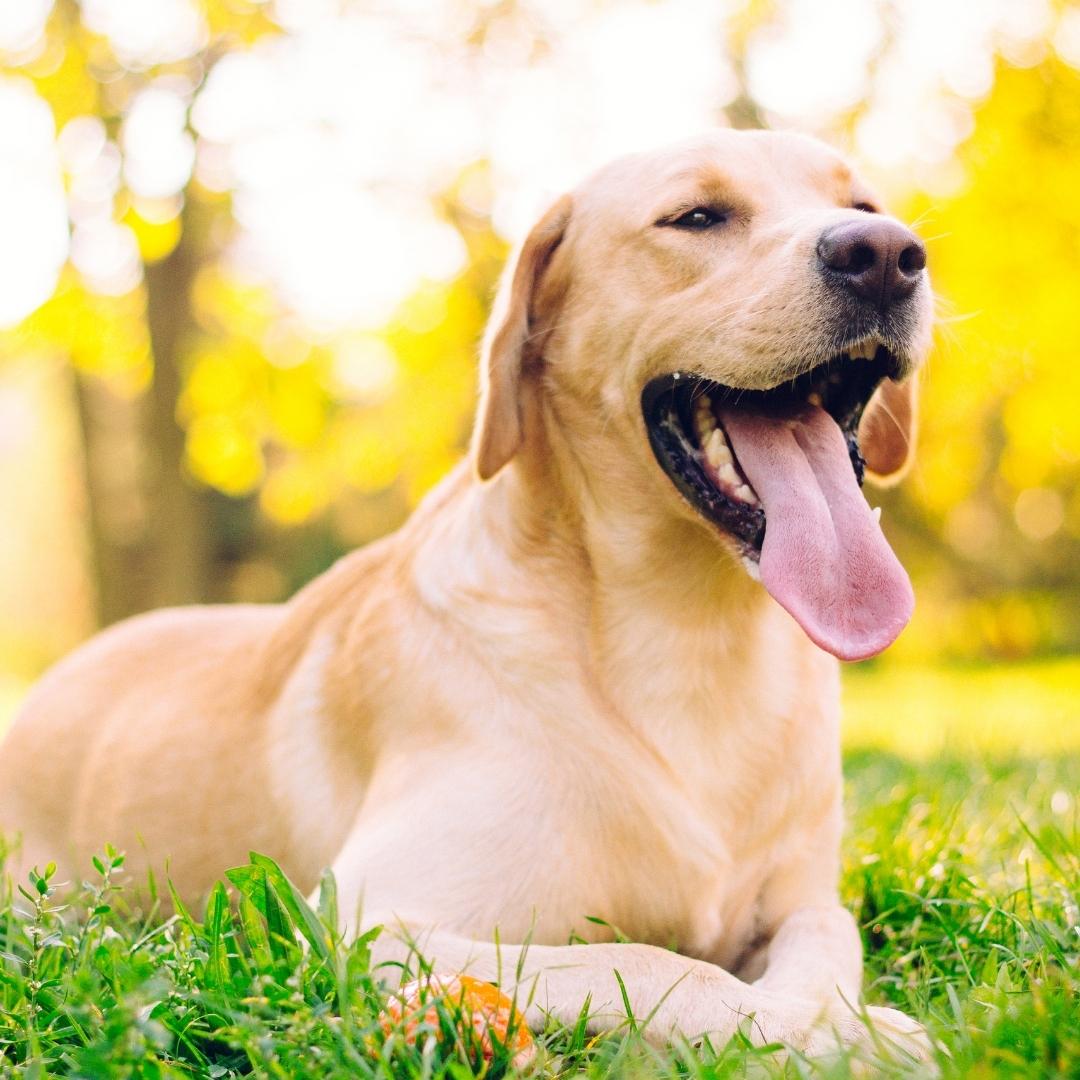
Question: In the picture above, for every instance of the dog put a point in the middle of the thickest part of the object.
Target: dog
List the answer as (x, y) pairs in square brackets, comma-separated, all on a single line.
[(595, 674)]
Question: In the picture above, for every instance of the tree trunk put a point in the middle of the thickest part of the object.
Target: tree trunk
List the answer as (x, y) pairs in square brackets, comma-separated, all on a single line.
[(148, 524), (176, 509), (109, 426)]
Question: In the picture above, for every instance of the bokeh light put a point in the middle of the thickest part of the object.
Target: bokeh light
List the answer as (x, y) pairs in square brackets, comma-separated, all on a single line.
[(33, 222), (249, 247)]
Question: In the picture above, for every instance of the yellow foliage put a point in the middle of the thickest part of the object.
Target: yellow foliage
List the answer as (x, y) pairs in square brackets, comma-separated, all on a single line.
[(366, 454), (228, 305), (230, 377), (989, 521), (295, 492), (297, 406), (1001, 400), (102, 335), (1001, 395), (224, 454), (245, 21), (156, 239), (61, 73)]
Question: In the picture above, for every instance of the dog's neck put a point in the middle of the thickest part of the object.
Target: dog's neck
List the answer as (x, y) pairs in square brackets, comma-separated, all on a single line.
[(607, 585)]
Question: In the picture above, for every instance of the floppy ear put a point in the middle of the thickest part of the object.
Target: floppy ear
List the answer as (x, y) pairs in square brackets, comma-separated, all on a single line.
[(514, 338), (887, 430)]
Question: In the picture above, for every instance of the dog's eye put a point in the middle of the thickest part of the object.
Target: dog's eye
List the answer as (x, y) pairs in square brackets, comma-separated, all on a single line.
[(865, 207), (699, 219)]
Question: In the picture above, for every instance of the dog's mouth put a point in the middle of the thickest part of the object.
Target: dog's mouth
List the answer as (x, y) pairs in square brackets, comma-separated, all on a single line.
[(683, 416), (779, 471)]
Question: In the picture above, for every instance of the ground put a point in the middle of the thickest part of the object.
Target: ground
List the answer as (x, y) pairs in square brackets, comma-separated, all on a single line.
[(962, 864)]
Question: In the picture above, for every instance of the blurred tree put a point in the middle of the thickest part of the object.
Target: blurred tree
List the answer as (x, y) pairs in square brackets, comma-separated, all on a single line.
[(232, 450), (201, 402), (992, 517), (151, 530)]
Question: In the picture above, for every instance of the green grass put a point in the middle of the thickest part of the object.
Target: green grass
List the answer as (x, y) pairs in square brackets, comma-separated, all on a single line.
[(964, 874), (962, 864)]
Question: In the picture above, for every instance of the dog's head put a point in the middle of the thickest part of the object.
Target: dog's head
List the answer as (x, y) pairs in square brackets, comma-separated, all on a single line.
[(736, 322)]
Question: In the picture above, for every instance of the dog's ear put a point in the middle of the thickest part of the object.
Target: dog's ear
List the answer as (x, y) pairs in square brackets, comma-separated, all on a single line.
[(887, 430), (514, 339)]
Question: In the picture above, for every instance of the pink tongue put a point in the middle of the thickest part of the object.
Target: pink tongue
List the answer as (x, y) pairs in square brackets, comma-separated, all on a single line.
[(824, 559)]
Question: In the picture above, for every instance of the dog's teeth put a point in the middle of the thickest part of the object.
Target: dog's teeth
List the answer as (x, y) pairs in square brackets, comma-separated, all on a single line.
[(704, 421), (745, 493), (717, 450), (864, 350), (728, 475), (814, 399), (877, 514)]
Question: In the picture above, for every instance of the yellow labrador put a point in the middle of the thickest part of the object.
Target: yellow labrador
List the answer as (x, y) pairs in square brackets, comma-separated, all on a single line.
[(595, 674)]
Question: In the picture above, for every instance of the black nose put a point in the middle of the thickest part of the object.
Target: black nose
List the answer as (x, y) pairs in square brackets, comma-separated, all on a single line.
[(876, 258)]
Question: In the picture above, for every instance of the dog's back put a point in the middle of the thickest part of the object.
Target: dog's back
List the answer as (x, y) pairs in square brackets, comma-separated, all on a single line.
[(144, 698)]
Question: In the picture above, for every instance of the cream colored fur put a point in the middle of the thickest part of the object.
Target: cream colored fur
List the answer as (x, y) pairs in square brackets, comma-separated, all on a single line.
[(554, 693)]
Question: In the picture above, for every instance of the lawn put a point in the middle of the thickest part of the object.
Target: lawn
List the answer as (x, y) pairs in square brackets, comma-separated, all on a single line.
[(962, 864)]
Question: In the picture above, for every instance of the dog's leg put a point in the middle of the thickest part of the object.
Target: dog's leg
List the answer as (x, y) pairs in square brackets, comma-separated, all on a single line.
[(807, 997), (667, 993), (817, 952)]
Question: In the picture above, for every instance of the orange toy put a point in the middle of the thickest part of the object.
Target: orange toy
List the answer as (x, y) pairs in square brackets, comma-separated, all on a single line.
[(481, 1004)]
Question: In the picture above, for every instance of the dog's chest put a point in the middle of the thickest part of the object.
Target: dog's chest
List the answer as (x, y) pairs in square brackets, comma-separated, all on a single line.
[(671, 831), (682, 848), (656, 788)]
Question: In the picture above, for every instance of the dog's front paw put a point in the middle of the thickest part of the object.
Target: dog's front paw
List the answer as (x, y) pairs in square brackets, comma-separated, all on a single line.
[(880, 1035)]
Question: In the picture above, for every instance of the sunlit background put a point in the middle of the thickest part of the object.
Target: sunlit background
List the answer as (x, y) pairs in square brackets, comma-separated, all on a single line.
[(246, 252)]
